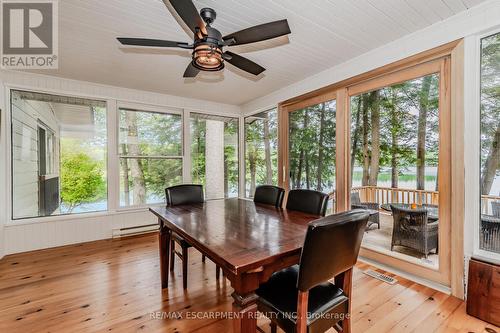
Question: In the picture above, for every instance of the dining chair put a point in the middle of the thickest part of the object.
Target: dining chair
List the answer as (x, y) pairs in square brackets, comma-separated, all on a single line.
[(302, 298), (184, 194), (269, 195), (307, 201)]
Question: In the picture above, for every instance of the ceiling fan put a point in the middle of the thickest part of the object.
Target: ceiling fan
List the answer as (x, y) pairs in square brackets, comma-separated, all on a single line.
[(208, 44)]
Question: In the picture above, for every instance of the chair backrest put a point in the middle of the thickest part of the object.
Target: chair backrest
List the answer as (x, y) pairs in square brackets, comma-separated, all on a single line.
[(355, 199), (184, 194), (331, 247), (409, 219), (495, 207), (269, 195), (307, 201)]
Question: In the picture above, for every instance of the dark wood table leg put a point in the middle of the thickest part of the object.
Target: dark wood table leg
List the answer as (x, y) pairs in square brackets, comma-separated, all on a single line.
[(245, 309), (245, 302), (164, 246)]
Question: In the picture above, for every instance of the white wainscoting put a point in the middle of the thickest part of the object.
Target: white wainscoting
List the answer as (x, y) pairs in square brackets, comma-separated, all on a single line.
[(61, 230)]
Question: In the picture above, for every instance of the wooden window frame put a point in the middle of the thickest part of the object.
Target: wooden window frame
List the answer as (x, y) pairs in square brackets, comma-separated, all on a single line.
[(447, 60)]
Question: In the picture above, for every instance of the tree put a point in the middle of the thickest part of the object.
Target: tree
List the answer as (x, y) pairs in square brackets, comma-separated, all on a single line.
[(319, 174), (422, 130), (375, 136), (490, 111), (267, 150), (81, 180), (366, 153), (134, 164)]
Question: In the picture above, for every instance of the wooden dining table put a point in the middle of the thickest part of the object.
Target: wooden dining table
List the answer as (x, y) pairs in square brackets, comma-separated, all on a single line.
[(249, 241)]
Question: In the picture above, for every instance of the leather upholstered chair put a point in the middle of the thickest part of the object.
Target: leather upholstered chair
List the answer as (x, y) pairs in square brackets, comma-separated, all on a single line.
[(330, 250), (307, 201), (269, 195)]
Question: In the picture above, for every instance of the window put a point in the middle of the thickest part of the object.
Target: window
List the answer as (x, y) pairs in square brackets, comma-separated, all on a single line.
[(59, 148), (261, 150), (150, 148), (489, 233), (214, 154)]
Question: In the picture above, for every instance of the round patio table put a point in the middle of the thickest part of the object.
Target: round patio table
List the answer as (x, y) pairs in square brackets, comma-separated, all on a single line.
[(432, 212)]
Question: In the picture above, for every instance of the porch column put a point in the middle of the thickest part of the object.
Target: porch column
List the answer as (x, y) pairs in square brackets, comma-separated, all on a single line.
[(214, 159)]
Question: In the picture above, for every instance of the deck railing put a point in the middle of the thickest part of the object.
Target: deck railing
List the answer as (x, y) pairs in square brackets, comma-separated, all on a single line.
[(387, 195)]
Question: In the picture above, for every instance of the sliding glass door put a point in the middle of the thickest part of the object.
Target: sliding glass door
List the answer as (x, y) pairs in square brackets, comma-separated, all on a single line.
[(394, 161), (400, 166)]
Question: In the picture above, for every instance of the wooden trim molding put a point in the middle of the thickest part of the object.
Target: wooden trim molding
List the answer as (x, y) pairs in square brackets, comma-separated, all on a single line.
[(426, 56), (457, 171)]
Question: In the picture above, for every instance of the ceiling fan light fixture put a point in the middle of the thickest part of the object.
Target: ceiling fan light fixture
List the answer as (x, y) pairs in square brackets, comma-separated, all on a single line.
[(208, 57)]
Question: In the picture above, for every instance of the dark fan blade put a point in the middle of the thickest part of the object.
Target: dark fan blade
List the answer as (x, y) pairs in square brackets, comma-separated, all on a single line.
[(243, 63), (151, 42), (191, 71), (259, 33), (189, 14)]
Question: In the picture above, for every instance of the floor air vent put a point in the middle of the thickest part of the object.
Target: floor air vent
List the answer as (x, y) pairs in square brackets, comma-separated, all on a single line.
[(380, 276)]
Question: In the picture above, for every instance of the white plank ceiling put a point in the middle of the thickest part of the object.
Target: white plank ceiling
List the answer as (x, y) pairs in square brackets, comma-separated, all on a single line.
[(324, 33)]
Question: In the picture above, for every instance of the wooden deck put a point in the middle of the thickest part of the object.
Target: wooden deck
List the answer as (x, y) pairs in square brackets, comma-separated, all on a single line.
[(114, 286)]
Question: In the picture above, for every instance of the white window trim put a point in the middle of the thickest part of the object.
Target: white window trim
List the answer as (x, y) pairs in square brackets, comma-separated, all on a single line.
[(472, 135), (8, 154), (112, 106)]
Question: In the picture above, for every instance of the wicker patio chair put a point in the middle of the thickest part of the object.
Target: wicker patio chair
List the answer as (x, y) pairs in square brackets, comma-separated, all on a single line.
[(357, 204), (413, 230), (495, 207)]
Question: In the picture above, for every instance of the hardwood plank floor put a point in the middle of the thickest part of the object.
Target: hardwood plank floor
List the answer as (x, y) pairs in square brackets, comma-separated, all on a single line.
[(114, 286)]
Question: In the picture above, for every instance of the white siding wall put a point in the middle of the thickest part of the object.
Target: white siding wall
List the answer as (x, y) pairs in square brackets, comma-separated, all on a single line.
[(32, 234), (26, 115)]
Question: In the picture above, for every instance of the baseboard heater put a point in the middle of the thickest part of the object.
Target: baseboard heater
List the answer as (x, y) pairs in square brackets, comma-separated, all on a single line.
[(130, 231)]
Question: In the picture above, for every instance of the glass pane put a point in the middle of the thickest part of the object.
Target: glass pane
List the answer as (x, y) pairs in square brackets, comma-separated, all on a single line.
[(261, 150), (66, 171), (394, 160), (489, 234), (312, 148), (150, 134), (214, 154), (143, 180)]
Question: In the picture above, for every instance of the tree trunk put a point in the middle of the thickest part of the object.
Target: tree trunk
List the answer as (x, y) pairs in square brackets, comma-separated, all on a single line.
[(252, 164), (394, 144), (491, 165), (267, 151), (355, 138), (226, 177), (422, 130), (375, 131), (306, 153), (319, 178), (126, 185), (139, 186), (298, 178), (366, 154)]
